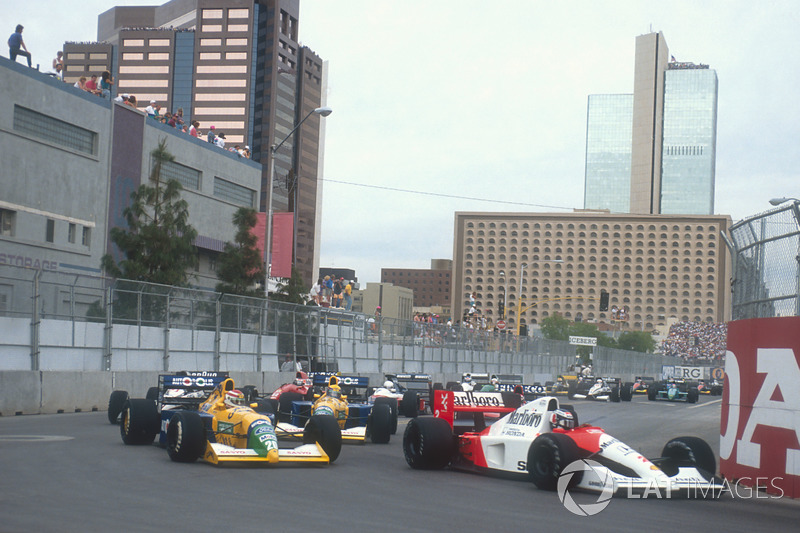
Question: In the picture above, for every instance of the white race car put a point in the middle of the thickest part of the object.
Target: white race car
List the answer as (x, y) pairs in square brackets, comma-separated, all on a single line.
[(541, 440)]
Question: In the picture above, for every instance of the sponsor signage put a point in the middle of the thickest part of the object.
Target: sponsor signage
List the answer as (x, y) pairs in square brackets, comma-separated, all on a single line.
[(760, 426), (583, 341), (683, 372)]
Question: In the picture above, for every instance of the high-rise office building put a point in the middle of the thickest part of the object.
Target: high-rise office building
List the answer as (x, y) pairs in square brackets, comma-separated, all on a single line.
[(236, 65), (669, 165)]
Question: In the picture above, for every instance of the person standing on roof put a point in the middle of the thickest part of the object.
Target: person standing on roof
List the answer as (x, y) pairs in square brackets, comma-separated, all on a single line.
[(16, 46)]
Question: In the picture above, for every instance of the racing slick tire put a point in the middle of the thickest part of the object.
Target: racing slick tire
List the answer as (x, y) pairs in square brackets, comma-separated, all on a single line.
[(614, 395), (265, 406), (428, 443), (692, 395), (250, 393), (571, 388), (688, 451), (548, 455), (186, 437), (392, 403), (454, 385), (571, 409), (324, 430), (409, 405), (140, 422), (379, 424), (652, 391), (284, 413), (115, 403), (152, 393), (626, 392)]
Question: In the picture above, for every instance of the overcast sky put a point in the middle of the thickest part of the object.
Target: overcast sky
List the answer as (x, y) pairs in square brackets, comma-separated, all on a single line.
[(481, 106)]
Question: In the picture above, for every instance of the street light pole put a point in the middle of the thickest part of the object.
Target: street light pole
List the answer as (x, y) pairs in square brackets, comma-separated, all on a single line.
[(505, 293), (322, 111)]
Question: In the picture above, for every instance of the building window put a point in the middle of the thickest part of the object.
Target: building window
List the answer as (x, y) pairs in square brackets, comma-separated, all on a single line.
[(54, 130), (71, 233), (212, 13), (234, 193), (186, 176), (132, 42), (50, 230), (7, 222), (86, 236)]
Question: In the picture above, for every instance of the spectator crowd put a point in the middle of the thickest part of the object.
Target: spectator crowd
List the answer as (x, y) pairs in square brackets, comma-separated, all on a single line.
[(697, 342)]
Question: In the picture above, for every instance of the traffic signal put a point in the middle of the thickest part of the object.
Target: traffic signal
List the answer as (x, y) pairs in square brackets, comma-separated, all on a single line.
[(603, 300), (523, 330), (501, 307)]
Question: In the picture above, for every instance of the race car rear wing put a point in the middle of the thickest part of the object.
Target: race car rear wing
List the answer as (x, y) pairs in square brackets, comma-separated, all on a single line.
[(188, 389), (448, 405), (529, 391), (424, 378)]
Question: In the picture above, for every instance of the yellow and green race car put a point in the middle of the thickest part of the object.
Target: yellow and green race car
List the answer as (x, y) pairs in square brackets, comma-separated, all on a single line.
[(221, 429)]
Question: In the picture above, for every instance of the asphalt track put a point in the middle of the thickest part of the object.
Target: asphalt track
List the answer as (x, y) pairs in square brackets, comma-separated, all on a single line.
[(71, 472)]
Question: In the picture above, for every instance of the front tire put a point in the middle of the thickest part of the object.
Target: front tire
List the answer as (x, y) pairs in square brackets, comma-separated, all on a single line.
[(614, 395), (325, 431), (140, 422), (688, 451), (692, 395), (548, 456), (379, 424), (652, 391), (626, 392), (115, 403), (186, 437)]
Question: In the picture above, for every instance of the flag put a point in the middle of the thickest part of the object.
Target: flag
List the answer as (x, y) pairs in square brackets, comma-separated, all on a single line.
[(672, 59)]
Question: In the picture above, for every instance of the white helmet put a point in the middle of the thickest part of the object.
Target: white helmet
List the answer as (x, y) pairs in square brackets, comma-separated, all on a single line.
[(388, 384), (495, 380), (467, 378), (234, 398), (562, 419)]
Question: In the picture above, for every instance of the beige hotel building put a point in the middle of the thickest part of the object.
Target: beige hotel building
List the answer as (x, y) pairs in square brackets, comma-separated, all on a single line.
[(653, 266)]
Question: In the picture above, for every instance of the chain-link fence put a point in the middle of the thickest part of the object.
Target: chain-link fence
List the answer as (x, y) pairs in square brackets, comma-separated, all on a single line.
[(766, 264), (54, 321)]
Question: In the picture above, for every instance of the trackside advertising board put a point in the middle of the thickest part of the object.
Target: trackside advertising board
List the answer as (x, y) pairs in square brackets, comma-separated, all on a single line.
[(760, 426)]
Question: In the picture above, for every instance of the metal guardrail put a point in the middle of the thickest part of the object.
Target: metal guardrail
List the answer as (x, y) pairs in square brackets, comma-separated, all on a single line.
[(766, 264)]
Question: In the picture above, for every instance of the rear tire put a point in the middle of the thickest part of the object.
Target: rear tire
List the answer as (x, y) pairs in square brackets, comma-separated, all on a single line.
[(571, 388), (454, 385), (250, 393), (284, 413), (652, 391), (626, 392), (392, 403), (428, 443), (186, 437), (140, 421), (379, 424), (152, 393), (409, 405), (548, 456), (324, 430), (614, 395), (688, 451), (115, 403)]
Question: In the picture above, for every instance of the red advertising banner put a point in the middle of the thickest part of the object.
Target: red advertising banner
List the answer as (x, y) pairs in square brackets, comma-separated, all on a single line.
[(282, 244), (260, 232), (760, 426)]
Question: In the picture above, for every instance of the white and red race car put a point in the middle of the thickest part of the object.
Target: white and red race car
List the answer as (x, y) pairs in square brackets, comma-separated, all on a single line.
[(541, 439)]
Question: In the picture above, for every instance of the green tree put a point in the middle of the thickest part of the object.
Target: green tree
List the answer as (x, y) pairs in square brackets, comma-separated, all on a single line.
[(158, 244), (555, 327), (240, 266), (637, 341), (293, 291)]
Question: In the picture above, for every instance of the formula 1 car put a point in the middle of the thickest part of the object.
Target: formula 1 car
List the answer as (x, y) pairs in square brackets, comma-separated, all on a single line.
[(356, 420), (641, 383), (561, 385), (675, 390), (603, 389), (714, 388), (412, 392), (540, 439), (202, 415)]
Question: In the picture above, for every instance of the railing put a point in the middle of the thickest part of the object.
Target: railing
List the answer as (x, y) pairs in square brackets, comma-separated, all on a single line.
[(92, 323), (766, 264)]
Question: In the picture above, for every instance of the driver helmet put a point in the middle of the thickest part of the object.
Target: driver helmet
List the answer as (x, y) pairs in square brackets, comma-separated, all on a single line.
[(562, 419), (234, 398), (388, 384), (599, 381), (467, 378), (300, 379), (495, 381)]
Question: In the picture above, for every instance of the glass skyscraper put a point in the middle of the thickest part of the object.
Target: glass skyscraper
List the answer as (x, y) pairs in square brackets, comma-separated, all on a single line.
[(654, 151), (608, 152), (689, 141)]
